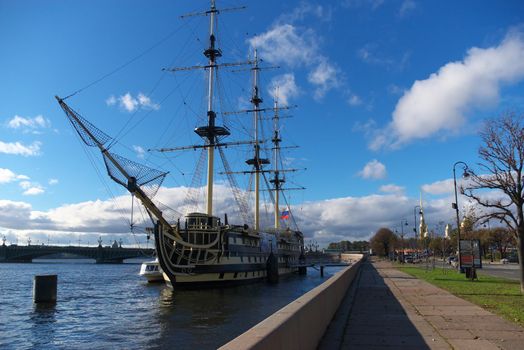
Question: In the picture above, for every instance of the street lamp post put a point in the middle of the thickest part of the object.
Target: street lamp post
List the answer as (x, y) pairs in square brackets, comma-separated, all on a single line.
[(455, 206), (402, 222), (415, 227)]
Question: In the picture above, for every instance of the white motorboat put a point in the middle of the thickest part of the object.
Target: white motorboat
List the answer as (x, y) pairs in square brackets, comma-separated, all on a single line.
[(151, 271)]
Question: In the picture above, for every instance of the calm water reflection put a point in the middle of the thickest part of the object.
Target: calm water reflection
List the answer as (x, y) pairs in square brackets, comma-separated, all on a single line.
[(110, 306)]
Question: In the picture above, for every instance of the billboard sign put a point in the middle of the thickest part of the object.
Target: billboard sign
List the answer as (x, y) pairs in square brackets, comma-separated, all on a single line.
[(470, 253)]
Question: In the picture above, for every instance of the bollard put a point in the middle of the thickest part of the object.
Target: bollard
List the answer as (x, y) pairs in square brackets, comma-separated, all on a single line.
[(44, 289), (321, 270)]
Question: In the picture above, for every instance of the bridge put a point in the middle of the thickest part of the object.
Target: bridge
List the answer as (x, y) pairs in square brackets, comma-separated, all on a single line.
[(16, 253)]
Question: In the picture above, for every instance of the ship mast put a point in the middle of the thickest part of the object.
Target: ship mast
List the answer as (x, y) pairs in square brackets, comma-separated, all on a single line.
[(276, 181), (210, 132), (256, 161), (211, 53)]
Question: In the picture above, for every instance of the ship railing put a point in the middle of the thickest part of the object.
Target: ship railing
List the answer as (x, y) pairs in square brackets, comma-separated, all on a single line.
[(189, 255), (202, 227), (199, 239)]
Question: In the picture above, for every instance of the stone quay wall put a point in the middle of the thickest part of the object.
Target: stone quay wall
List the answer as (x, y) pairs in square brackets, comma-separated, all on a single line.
[(302, 323)]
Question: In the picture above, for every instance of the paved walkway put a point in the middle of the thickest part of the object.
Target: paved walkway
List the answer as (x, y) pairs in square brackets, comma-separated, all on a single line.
[(389, 309)]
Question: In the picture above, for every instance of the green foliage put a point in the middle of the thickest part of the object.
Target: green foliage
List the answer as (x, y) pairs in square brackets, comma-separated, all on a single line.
[(383, 242), (498, 295), (360, 246)]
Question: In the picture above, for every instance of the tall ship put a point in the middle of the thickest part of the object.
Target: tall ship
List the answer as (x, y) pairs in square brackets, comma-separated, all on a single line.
[(203, 248)]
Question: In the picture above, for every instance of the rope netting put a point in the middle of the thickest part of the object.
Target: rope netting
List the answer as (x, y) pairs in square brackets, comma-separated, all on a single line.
[(89, 133), (170, 214), (148, 179)]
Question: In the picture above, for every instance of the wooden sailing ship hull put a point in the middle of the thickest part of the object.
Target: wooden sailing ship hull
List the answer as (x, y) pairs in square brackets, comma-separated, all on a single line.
[(224, 255), (201, 250)]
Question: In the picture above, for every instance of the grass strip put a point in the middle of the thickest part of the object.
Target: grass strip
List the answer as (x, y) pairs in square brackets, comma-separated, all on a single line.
[(498, 295)]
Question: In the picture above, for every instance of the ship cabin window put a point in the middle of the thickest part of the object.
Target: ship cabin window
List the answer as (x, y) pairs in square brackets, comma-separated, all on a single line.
[(202, 222)]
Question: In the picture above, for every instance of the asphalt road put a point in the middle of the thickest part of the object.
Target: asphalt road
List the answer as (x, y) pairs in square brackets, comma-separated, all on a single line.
[(510, 271)]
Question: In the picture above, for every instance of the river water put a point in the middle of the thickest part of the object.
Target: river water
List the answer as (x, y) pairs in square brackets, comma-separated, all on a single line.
[(111, 307)]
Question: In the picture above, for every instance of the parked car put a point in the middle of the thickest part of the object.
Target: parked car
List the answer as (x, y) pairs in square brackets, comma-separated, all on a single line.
[(504, 261), (454, 263), (449, 259), (513, 259)]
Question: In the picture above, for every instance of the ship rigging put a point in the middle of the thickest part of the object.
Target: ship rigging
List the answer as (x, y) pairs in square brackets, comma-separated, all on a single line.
[(199, 248)]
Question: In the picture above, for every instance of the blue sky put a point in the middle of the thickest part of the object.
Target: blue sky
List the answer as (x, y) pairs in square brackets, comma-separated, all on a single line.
[(390, 94)]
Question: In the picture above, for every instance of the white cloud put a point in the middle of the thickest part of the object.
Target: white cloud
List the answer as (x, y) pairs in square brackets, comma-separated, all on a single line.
[(368, 54), (440, 103), (391, 188), (130, 103), (31, 188), (14, 215), (303, 10), (444, 187), (325, 77), (53, 182), (373, 4), (325, 221), (140, 152), (111, 100), (296, 47), (283, 88), (18, 148), (284, 44), (7, 176), (351, 218), (439, 187), (29, 124), (354, 100), (373, 170), (25, 184), (406, 8), (146, 102), (33, 191)]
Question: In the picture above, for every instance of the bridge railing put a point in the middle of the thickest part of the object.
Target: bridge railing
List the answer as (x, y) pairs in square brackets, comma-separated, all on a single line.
[(15, 253)]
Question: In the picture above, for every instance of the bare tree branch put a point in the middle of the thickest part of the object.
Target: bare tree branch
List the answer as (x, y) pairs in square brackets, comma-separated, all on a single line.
[(502, 152)]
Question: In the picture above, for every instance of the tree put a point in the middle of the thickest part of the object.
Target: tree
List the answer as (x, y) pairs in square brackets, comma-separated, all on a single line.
[(501, 239), (437, 246), (383, 242), (360, 246), (501, 170), (484, 236), (346, 246), (333, 245)]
